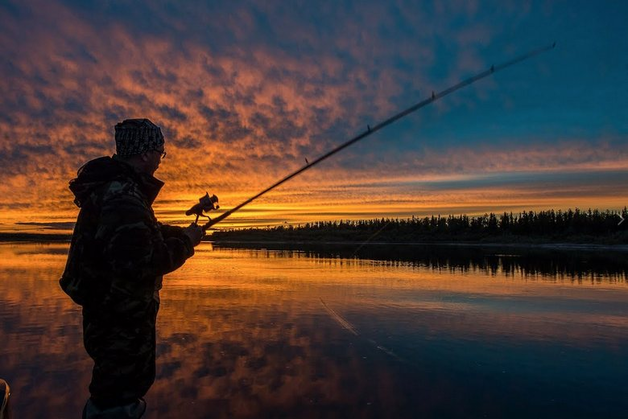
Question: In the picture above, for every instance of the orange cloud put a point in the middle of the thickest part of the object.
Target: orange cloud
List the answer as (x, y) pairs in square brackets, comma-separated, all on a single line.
[(238, 118)]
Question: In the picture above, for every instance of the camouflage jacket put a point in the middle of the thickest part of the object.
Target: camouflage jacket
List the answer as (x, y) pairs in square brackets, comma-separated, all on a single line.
[(119, 250)]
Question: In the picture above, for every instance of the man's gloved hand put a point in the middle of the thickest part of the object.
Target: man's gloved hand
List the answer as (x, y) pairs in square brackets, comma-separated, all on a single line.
[(195, 233)]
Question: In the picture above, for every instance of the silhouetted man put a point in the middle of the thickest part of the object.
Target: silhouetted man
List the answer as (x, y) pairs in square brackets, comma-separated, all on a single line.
[(118, 255)]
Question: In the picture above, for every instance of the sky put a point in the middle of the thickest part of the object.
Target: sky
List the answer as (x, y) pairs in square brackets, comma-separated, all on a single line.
[(245, 91)]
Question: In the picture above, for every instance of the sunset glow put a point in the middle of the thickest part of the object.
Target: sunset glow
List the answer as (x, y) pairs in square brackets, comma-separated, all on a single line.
[(246, 91)]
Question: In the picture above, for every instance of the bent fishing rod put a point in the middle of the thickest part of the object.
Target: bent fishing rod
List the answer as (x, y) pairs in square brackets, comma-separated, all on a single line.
[(207, 203)]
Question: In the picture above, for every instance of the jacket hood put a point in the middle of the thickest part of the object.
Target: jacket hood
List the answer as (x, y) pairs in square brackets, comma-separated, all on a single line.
[(99, 172)]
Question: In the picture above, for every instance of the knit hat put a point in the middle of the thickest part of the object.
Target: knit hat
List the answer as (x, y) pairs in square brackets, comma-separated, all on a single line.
[(137, 136)]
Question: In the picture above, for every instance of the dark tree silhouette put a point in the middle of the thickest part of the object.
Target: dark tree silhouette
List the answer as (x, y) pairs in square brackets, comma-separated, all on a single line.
[(591, 226)]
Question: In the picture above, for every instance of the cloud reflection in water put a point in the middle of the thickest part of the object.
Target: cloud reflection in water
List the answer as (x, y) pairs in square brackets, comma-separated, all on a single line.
[(242, 333)]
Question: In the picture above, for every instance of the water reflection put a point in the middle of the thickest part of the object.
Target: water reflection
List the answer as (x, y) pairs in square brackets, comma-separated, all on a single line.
[(559, 263), (246, 333)]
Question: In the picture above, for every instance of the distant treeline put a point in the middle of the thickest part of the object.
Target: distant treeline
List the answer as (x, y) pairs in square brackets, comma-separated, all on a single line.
[(35, 237), (591, 226)]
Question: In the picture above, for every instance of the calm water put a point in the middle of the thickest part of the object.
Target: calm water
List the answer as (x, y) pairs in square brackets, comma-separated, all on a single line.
[(398, 332)]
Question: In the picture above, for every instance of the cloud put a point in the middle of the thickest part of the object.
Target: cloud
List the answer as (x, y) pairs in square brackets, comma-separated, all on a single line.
[(244, 92)]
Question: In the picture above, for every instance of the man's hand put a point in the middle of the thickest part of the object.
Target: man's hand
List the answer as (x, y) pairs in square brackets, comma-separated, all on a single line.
[(195, 233)]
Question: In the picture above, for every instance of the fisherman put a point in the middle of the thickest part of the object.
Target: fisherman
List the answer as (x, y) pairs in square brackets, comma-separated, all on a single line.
[(118, 255)]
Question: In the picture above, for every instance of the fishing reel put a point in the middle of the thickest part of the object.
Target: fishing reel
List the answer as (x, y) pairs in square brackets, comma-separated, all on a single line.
[(205, 204)]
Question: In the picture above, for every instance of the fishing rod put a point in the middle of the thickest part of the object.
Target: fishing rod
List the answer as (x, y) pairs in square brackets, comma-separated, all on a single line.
[(208, 203)]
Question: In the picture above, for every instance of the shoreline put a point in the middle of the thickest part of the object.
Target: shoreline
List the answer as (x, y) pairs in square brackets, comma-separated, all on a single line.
[(547, 245), (35, 237)]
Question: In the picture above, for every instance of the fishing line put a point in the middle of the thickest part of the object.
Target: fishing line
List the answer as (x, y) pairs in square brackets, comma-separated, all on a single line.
[(345, 324), (371, 130), (365, 242)]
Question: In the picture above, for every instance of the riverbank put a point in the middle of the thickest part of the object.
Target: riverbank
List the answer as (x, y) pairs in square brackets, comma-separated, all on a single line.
[(34, 237), (529, 243), (463, 244)]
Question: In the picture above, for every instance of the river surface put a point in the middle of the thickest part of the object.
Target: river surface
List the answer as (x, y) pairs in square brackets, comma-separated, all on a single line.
[(386, 332)]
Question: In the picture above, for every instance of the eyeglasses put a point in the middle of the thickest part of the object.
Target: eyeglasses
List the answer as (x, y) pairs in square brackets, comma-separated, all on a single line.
[(162, 153)]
